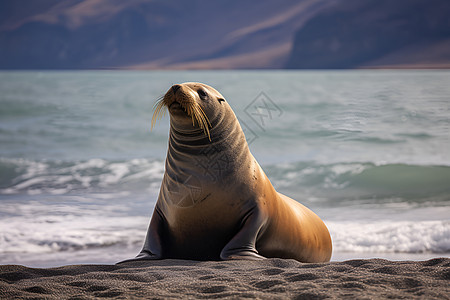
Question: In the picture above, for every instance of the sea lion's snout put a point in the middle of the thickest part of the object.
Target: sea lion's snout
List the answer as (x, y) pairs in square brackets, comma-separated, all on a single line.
[(178, 99), (175, 88), (182, 101), (181, 94)]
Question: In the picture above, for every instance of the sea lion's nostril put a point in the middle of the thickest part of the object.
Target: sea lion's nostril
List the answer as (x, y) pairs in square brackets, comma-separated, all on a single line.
[(175, 88)]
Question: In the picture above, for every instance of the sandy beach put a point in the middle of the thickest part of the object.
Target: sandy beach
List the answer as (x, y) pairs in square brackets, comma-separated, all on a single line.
[(267, 279)]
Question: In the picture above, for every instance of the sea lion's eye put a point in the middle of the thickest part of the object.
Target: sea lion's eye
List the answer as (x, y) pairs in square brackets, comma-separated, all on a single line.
[(202, 94), (221, 100)]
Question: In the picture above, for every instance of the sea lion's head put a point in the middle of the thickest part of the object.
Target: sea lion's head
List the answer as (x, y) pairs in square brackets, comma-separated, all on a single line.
[(194, 108)]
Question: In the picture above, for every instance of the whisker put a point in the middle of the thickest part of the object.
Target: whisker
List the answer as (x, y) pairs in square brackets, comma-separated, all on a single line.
[(203, 121), (204, 114), (158, 111)]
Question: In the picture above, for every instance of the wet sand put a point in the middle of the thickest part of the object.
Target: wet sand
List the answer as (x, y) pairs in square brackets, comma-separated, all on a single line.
[(266, 279)]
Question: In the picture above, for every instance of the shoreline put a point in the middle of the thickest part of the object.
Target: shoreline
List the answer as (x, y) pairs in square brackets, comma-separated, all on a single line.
[(265, 279), (96, 256)]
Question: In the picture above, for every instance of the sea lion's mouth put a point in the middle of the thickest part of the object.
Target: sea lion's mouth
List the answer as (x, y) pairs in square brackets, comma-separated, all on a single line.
[(179, 108), (175, 105)]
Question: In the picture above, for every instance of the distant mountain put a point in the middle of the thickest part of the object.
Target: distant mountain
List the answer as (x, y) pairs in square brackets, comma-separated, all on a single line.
[(150, 33), (375, 33), (230, 34)]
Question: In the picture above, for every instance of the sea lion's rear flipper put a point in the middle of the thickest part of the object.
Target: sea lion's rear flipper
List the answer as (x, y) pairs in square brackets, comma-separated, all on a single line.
[(152, 246), (242, 245)]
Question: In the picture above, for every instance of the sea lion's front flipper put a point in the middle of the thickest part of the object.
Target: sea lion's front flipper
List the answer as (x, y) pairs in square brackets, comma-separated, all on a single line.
[(242, 245), (152, 249)]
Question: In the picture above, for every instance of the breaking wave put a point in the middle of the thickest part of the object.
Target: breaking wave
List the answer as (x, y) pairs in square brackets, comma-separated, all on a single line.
[(343, 180), (49, 177)]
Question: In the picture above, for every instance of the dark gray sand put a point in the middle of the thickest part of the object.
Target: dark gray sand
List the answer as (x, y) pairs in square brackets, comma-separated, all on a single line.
[(266, 279)]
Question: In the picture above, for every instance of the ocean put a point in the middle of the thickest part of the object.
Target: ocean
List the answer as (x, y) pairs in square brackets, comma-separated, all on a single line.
[(367, 150)]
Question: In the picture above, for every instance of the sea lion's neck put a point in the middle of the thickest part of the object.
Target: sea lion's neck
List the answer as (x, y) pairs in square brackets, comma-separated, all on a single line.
[(191, 152)]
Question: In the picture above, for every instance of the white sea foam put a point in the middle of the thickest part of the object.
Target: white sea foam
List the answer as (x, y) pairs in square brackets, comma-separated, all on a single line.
[(391, 236), (79, 226), (69, 233), (44, 229)]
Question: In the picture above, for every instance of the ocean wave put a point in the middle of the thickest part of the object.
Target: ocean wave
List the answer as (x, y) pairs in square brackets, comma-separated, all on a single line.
[(338, 181), (363, 180), (391, 237), (60, 177)]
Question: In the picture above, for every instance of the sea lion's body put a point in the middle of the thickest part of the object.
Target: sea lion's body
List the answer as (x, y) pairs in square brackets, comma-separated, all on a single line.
[(215, 200)]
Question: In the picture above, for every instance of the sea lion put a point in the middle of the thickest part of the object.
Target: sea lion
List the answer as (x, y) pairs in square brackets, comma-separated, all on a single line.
[(215, 201)]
